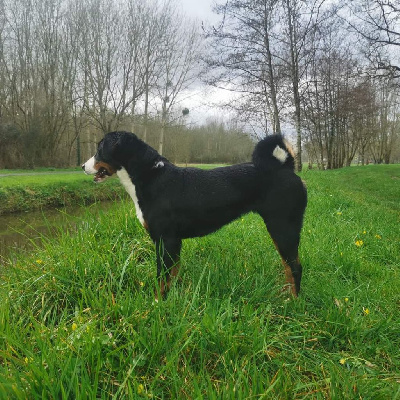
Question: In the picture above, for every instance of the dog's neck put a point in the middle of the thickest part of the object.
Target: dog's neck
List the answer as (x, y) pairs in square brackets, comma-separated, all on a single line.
[(126, 181)]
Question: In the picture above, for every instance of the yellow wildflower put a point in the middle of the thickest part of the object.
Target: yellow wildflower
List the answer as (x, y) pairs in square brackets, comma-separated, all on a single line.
[(342, 361), (39, 261), (140, 389), (378, 236), (359, 243), (366, 311), (74, 326), (339, 213), (346, 299)]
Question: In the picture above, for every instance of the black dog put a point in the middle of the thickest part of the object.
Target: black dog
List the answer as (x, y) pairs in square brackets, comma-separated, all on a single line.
[(174, 203)]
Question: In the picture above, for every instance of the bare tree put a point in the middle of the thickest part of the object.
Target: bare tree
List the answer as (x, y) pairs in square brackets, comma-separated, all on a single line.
[(178, 65), (106, 62), (242, 59), (261, 51), (150, 28), (301, 21), (36, 77), (329, 99), (377, 22), (383, 142)]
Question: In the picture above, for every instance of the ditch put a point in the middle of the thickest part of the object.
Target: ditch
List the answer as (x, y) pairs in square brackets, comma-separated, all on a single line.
[(23, 231)]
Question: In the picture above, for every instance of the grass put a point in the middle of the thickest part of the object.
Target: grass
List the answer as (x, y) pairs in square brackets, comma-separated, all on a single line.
[(43, 179), (203, 166), (38, 170), (44, 190), (77, 318)]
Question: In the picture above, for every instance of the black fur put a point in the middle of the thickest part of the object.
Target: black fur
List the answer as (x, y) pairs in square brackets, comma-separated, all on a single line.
[(180, 203)]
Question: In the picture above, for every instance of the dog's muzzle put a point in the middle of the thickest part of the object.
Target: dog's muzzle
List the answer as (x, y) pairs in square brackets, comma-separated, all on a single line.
[(100, 170)]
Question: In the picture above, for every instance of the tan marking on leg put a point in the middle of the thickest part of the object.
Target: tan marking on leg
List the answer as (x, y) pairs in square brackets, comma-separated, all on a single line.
[(165, 284), (290, 285), (159, 289), (173, 274), (289, 278)]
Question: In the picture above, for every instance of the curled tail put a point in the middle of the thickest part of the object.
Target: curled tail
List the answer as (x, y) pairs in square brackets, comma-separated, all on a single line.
[(273, 153)]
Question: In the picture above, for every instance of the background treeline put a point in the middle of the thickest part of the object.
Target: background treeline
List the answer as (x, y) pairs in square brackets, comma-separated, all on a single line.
[(328, 69), (213, 142), (72, 70), (324, 72)]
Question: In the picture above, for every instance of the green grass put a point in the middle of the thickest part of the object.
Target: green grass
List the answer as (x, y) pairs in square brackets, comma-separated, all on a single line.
[(43, 190), (203, 166), (77, 318), (37, 170), (43, 179)]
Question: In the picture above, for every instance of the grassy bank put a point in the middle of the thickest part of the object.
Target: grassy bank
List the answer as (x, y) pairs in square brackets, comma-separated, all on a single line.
[(38, 170), (24, 192), (77, 318)]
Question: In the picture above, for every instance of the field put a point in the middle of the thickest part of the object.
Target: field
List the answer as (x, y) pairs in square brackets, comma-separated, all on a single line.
[(78, 321), (48, 189)]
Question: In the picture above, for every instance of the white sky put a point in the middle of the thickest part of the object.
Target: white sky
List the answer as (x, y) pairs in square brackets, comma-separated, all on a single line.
[(199, 100), (200, 9)]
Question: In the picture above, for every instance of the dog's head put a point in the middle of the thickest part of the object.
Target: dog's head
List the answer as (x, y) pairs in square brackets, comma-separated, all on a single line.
[(103, 163), (118, 150)]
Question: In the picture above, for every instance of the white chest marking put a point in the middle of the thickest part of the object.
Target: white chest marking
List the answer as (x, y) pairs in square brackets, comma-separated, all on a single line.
[(280, 154), (130, 188)]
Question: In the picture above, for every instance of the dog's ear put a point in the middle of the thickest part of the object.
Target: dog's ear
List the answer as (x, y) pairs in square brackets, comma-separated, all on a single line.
[(108, 148), (124, 148), (112, 142)]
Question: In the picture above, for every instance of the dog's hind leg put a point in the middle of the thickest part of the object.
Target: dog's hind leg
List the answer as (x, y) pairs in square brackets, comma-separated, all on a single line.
[(168, 254), (286, 237)]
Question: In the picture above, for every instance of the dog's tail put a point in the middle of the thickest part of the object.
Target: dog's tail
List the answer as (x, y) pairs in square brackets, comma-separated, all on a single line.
[(273, 153)]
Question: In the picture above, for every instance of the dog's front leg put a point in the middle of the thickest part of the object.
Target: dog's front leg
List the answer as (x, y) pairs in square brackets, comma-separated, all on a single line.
[(286, 237), (168, 252)]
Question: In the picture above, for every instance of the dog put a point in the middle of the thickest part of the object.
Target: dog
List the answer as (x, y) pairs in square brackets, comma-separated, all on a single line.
[(174, 203)]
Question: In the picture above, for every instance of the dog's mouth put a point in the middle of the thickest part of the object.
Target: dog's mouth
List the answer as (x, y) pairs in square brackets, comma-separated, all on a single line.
[(101, 175), (104, 170)]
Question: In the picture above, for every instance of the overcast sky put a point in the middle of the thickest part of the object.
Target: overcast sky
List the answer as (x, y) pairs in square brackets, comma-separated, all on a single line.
[(200, 9), (199, 99)]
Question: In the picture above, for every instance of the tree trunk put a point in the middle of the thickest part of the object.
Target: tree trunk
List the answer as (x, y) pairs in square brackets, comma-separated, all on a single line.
[(295, 83), (276, 127)]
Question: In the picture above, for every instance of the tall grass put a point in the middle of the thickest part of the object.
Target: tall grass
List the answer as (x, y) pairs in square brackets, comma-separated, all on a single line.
[(35, 192), (77, 317)]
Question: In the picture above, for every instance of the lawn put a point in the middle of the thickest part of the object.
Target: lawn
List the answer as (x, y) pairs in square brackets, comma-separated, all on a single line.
[(38, 170), (42, 178), (78, 320), (38, 190)]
